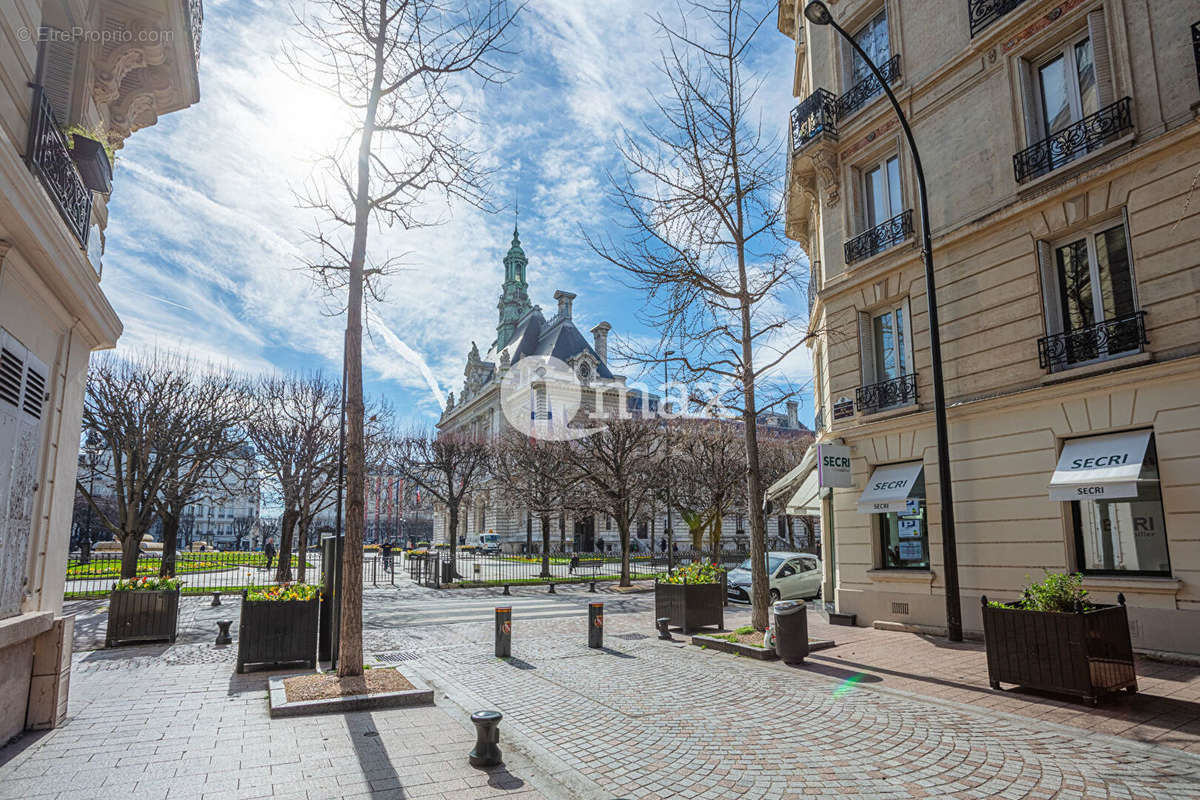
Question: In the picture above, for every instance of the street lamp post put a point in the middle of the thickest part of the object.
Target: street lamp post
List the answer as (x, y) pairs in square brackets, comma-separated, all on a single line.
[(818, 13), (666, 427)]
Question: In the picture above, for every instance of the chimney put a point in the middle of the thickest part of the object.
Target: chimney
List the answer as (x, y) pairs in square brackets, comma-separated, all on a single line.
[(600, 337), (564, 303), (793, 414)]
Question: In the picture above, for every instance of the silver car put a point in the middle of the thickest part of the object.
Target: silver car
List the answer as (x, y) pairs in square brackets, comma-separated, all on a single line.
[(792, 576)]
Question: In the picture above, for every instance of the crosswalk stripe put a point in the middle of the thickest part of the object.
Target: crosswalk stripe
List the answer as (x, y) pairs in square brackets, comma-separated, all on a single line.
[(482, 617)]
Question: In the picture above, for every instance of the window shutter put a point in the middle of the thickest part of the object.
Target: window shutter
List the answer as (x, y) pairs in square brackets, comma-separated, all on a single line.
[(22, 375), (866, 348), (1098, 32), (1031, 107), (56, 73), (909, 362), (1045, 256)]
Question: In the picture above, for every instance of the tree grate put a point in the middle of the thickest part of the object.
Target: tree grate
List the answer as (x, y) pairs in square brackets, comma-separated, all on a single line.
[(630, 637), (397, 657)]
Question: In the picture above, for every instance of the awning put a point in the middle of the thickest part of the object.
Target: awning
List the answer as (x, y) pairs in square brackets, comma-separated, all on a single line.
[(891, 486), (787, 485), (805, 501), (1100, 467)]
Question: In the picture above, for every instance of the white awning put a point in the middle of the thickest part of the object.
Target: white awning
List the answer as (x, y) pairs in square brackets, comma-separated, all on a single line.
[(786, 486), (805, 501), (1100, 467), (891, 486)]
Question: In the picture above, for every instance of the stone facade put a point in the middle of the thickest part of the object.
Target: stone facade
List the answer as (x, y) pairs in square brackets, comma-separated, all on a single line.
[(1061, 148), (52, 310)]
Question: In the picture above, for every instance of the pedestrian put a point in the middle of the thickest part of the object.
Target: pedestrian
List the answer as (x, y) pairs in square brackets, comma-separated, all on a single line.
[(662, 544), (574, 563), (600, 544), (269, 552), (385, 550)]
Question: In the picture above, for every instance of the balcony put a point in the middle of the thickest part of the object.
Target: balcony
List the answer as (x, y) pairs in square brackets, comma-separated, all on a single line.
[(195, 12), (1108, 339), (1090, 133), (881, 237), (48, 156), (1196, 47), (869, 87), (984, 12), (815, 116), (887, 394)]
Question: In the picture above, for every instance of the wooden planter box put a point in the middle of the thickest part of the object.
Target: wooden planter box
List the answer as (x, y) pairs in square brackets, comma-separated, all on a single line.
[(1086, 654), (275, 633), (139, 616), (690, 605)]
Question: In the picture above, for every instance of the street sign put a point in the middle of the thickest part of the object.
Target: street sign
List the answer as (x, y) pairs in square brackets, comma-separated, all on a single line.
[(833, 466)]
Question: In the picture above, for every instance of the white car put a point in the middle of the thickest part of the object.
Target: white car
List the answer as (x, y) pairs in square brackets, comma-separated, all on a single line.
[(792, 575)]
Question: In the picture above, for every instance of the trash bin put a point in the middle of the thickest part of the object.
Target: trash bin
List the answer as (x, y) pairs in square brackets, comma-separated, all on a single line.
[(791, 631)]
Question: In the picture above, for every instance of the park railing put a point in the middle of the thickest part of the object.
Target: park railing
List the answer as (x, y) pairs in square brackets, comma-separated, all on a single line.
[(437, 568), (202, 573)]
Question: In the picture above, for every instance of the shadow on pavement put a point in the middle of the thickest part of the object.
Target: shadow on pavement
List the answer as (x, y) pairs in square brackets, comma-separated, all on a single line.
[(372, 754)]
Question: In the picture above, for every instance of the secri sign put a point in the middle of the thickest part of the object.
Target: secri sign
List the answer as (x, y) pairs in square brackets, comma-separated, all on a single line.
[(833, 466)]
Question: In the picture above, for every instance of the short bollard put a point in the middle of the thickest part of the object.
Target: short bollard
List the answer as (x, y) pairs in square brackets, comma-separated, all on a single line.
[(505, 592), (596, 625), (216, 599), (593, 587), (487, 737), (663, 632), (223, 636), (504, 632), (552, 590)]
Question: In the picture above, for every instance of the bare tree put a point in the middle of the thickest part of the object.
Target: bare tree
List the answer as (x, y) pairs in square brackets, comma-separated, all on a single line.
[(243, 527), (529, 474), (446, 467), (391, 62), (708, 466), (294, 429), (617, 472), (158, 422), (705, 237)]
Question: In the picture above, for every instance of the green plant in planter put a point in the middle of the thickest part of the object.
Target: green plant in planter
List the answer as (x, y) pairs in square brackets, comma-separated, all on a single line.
[(71, 131), (287, 592), (147, 584), (1057, 592), (695, 573)]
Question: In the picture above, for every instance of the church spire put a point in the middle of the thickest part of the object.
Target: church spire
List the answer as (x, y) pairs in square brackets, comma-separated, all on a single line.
[(514, 296)]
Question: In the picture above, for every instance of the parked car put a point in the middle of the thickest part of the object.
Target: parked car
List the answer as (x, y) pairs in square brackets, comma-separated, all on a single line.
[(792, 575)]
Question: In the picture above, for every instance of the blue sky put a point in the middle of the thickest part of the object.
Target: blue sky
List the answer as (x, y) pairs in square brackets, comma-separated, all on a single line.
[(205, 238)]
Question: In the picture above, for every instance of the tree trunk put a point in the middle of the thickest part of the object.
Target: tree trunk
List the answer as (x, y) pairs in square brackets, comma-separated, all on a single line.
[(758, 533), (170, 538), (623, 533), (452, 539), (791, 531), (528, 533), (562, 533), (714, 537), (287, 524), (302, 561), (545, 546), (129, 554)]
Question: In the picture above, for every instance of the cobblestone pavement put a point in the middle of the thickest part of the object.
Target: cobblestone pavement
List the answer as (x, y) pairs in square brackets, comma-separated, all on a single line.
[(639, 719)]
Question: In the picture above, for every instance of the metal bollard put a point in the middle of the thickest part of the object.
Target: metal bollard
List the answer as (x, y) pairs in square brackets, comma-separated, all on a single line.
[(223, 636), (216, 599), (593, 587), (552, 590), (487, 737), (596, 625), (663, 632), (504, 632), (505, 592)]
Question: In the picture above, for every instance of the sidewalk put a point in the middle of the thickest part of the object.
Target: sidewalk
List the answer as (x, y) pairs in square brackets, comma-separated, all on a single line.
[(1166, 709)]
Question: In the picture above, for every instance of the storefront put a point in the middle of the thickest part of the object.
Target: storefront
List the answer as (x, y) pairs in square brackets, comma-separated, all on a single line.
[(895, 499)]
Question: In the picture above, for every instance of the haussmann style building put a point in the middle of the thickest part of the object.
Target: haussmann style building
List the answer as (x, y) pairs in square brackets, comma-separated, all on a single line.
[(76, 79), (1061, 146)]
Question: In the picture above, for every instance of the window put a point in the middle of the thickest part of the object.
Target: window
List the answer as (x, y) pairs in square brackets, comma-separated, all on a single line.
[(1091, 298), (904, 537), (872, 38), (881, 192), (1126, 536), (1067, 86), (888, 340)]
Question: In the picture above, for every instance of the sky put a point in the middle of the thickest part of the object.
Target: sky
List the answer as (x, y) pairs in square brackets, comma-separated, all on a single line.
[(206, 240)]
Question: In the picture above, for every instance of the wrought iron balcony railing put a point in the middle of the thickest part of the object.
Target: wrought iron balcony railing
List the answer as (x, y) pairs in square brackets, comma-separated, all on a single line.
[(886, 394), (984, 12), (49, 158), (1196, 47), (1090, 133), (858, 94), (884, 235), (195, 13), (817, 114), (1112, 337), (812, 295)]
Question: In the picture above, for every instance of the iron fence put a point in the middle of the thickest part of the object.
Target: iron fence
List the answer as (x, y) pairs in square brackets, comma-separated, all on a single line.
[(858, 94), (884, 235), (1111, 337), (50, 159), (1196, 47), (815, 115), (887, 394), (441, 567), (984, 12)]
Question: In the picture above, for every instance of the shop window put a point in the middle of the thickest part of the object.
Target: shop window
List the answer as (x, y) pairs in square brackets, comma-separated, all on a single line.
[(904, 539), (1124, 536)]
